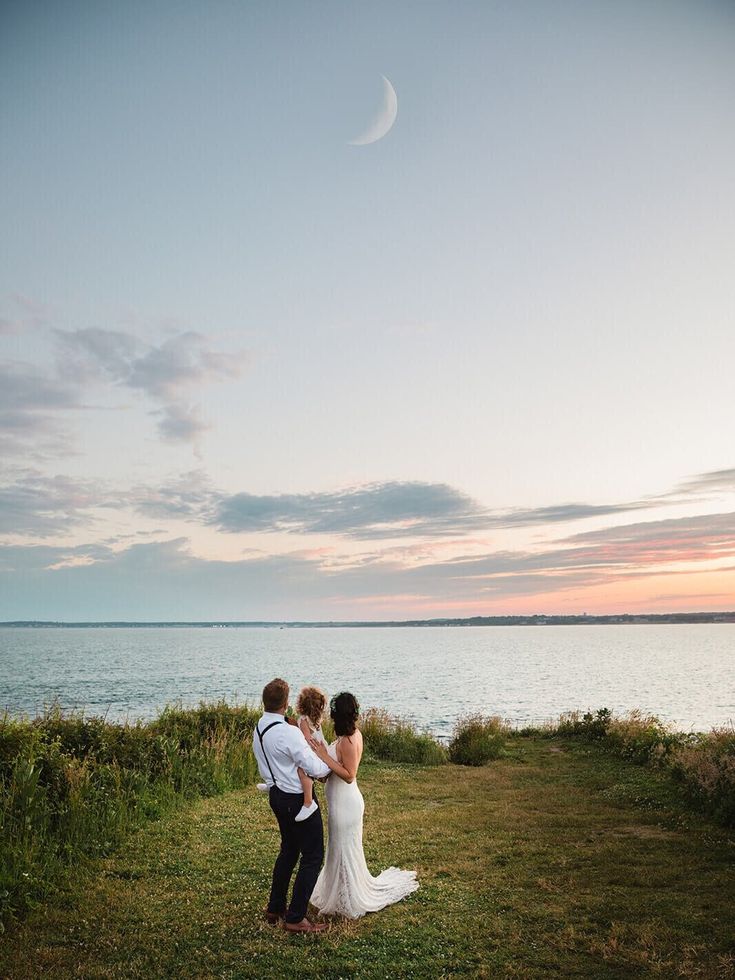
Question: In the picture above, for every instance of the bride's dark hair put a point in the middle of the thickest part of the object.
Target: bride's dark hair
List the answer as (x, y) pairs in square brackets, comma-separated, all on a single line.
[(344, 712)]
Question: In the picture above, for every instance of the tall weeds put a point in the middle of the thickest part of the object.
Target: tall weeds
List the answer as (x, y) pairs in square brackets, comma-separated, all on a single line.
[(477, 739), (72, 787), (396, 740), (706, 768)]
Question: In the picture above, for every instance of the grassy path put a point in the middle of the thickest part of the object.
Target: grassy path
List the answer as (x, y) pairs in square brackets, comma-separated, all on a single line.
[(553, 862)]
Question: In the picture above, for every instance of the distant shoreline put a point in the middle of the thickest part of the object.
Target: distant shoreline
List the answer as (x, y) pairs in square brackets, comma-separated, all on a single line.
[(623, 619)]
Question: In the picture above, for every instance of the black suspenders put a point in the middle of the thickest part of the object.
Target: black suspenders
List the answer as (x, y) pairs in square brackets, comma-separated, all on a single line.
[(262, 747)]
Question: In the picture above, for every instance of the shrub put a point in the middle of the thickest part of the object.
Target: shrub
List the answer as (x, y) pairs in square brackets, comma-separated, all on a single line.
[(192, 726), (635, 736), (72, 786), (477, 739), (17, 738), (706, 767), (396, 740), (643, 738), (595, 726)]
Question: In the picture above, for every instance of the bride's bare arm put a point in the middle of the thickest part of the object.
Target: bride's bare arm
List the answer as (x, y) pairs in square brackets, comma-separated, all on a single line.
[(347, 769)]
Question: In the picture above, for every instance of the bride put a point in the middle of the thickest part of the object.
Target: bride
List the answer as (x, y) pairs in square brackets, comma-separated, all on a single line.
[(345, 886)]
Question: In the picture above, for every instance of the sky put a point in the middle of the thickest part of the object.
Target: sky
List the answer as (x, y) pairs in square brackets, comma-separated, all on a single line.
[(482, 365)]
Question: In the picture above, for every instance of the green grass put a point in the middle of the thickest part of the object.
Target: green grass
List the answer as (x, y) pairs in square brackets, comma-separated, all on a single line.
[(702, 763), (557, 860)]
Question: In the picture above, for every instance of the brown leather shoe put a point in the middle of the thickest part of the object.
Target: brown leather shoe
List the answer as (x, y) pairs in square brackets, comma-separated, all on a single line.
[(305, 926), (273, 918)]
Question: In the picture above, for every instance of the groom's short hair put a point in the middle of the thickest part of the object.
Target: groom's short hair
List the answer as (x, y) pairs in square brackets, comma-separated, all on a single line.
[(275, 694)]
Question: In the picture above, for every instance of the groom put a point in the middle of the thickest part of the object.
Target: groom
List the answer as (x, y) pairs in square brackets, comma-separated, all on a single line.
[(279, 749)]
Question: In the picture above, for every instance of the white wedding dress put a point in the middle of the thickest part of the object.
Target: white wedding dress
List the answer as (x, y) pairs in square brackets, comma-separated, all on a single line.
[(345, 886)]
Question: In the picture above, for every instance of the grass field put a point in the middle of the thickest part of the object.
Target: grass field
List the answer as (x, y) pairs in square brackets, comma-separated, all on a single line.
[(557, 860)]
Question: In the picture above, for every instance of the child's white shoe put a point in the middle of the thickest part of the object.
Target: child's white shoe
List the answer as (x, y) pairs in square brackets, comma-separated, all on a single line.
[(306, 811), (262, 787)]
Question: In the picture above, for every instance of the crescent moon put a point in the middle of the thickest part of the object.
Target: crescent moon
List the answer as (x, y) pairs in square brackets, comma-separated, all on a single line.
[(384, 120)]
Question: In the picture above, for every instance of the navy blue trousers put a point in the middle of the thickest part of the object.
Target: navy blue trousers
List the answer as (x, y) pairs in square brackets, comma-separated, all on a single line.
[(303, 840)]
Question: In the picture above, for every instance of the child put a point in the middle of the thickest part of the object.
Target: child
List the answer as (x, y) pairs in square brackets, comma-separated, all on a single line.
[(310, 706)]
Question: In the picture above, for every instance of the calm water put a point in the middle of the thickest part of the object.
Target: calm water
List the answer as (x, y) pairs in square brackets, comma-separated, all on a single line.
[(683, 673)]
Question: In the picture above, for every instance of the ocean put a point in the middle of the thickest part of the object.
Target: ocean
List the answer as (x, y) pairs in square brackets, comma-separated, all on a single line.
[(527, 674)]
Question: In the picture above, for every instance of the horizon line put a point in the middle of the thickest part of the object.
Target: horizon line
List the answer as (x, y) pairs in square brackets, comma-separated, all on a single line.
[(718, 615)]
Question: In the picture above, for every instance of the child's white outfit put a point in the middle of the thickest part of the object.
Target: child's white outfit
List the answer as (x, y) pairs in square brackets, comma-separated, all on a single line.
[(316, 733)]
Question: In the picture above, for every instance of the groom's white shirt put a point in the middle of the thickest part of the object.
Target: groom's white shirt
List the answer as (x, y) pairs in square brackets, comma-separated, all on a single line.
[(286, 749)]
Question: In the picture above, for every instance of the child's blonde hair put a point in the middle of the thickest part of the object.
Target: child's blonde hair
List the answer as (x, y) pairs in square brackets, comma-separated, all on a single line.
[(311, 702)]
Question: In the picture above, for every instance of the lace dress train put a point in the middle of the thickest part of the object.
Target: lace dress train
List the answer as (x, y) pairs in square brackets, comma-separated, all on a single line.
[(345, 885)]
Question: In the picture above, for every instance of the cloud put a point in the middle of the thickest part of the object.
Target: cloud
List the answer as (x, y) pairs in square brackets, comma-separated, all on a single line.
[(164, 580), (166, 373), (29, 405), (630, 549), (716, 481), (560, 513), (89, 353), (181, 423), (371, 511), (22, 560), (156, 580), (189, 496), (705, 537), (389, 510), (32, 503), (27, 395), (179, 363), (396, 509), (32, 400)]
